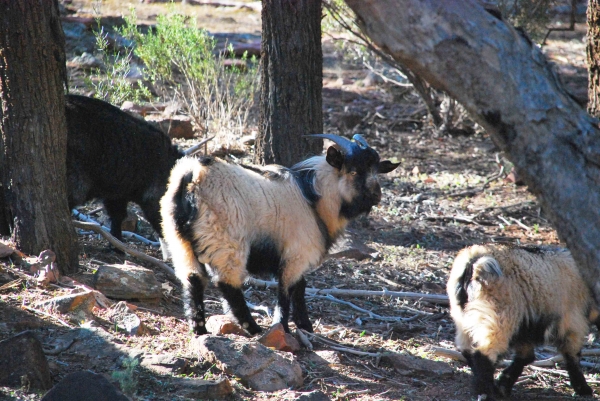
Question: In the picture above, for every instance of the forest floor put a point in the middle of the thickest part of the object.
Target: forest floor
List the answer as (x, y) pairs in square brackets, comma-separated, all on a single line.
[(448, 193)]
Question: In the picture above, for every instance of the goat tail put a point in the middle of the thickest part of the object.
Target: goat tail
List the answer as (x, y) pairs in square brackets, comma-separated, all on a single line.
[(486, 269), (179, 211)]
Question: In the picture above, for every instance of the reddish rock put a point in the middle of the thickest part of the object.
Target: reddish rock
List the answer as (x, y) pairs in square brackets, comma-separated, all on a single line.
[(224, 324), (83, 301), (127, 282), (277, 338), (175, 126)]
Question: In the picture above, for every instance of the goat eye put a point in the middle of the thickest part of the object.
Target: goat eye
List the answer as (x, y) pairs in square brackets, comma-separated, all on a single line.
[(353, 173)]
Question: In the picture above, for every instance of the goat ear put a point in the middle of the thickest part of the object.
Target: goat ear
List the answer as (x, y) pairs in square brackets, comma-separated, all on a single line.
[(335, 158), (386, 166)]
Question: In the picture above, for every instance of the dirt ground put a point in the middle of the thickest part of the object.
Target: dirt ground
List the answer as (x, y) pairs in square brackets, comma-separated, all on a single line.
[(449, 192)]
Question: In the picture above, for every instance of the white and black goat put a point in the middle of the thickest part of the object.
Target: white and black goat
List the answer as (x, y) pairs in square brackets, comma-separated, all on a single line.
[(226, 221), (504, 297)]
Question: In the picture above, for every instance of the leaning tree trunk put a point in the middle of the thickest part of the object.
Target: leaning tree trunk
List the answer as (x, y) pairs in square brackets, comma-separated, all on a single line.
[(593, 56), (291, 81), (506, 84), (33, 129)]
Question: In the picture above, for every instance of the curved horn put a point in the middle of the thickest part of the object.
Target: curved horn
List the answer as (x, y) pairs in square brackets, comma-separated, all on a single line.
[(361, 141), (342, 142)]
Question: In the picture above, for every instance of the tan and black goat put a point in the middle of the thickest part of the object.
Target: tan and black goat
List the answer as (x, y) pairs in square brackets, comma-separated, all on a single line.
[(505, 298), (226, 221)]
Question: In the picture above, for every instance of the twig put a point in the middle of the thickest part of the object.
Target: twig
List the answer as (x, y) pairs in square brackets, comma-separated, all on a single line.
[(39, 312), (119, 245), (356, 352), (303, 339), (460, 219), (372, 315), (433, 298), (126, 234), (11, 284), (520, 224)]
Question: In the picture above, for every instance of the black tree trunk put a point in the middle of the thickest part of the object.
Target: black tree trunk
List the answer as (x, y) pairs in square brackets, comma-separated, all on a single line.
[(292, 81), (33, 130)]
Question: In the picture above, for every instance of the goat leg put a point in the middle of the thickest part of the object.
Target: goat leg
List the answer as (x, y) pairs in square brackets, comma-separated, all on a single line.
[(194, 301), (282, 310), (509, 376), (483, 376), (237, 304), (299, 312), (576, 375)]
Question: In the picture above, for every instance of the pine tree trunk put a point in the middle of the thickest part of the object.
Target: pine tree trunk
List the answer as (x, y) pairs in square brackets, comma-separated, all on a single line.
[(292, 81), (33, 130), (593, 56)]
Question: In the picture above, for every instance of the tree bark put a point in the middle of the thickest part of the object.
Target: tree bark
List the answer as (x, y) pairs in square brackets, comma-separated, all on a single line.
[(33, 129), (507, 86), (593, 56), (291, 81)]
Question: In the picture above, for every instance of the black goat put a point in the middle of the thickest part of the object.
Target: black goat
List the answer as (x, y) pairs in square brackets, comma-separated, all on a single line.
[(228, 221), (116, 158)]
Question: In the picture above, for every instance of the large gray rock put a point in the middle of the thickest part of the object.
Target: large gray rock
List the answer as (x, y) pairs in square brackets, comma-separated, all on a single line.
[(127, 282), (258, 367), (84, 386), (23, 363)]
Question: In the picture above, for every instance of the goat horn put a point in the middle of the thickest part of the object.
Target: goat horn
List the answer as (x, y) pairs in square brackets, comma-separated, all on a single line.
[(342, 142), (361, 141)]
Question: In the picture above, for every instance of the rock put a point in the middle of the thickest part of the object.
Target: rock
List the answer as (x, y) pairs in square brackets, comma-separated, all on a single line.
[(408, 365), (352, 248), (88, 22), (313, 396), (224, 324), (278, 339), (198, 389), (164, 364), (258, 367), (324, 357), (127, 282), (125, 320), (86, 62), (6, 250), (83, 301), (23, 363), (231, 63), (248, 140), (130, 222), (175, 126), (84, 386)]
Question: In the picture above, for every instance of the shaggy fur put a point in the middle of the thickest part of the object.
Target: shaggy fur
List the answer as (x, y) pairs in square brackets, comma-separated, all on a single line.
[(117, 159), (227, 221), (511, 298)]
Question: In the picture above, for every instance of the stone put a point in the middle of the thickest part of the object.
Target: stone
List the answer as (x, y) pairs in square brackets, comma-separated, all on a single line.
[(408, 365), (127, 281), (6, 250), (85, 61), (84, 386), (224, 324), (125, 320), (317, 395), (176, 126), (352, 248), (278, 339), (323, 357), (23, 363), (198, 389), (130, 222), (257, 366), (164, 364), (83, 301)]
